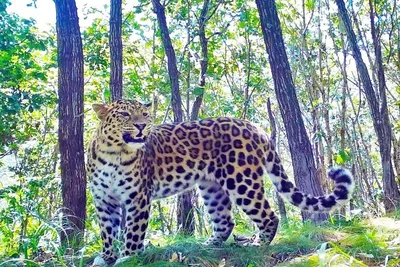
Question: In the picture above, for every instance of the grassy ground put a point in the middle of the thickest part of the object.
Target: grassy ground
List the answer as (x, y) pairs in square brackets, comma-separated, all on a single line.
[(366, 242), (374, 242)]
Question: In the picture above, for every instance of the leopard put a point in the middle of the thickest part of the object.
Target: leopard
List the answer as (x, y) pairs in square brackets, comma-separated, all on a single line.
[(131, 161)]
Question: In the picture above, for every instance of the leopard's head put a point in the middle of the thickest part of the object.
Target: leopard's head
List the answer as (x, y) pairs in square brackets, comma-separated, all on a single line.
[(124, 123)]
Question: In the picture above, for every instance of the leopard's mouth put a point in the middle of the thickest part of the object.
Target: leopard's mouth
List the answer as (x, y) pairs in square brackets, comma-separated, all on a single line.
[(129, 139)]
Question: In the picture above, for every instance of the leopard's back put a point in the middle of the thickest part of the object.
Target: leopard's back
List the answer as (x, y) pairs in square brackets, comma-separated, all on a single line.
[(210, 149)]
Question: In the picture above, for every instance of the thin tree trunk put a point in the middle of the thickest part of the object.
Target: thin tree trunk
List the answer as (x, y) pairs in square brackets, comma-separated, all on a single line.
[(70, 129), (202, 78), (379, 111), (247, 95), (312, 87), (305, 173), (364, 144), (116, 49), (188, 75), (176, 101), (342, 211), (344, 91), (322, 111), (185, 214), (281, 203), (356, 150), (203, 59)]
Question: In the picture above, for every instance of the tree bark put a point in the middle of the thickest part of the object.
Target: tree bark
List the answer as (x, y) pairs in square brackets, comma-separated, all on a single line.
[(396, 157), (115, 41), (185, 212), (70, 131), (305, 173), (379, 111), (116, 49)]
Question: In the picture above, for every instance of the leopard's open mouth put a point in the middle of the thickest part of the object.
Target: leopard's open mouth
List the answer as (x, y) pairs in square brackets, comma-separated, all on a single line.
[(129, 139)]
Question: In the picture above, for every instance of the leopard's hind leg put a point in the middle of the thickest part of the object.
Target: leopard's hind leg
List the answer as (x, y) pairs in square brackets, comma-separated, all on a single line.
[(247, 191), (219, 207)]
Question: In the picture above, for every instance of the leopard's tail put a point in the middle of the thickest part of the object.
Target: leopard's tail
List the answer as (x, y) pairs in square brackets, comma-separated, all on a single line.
[(344, 187)]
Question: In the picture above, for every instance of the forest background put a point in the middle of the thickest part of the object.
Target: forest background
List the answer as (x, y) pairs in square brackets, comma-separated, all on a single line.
[(347, 88)]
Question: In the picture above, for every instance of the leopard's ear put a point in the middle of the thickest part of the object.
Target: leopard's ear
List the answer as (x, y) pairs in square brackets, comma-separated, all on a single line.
[(101, 110), (148, 105)]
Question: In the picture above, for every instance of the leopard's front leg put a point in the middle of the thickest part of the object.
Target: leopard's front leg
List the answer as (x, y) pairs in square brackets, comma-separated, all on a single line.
[(136, 222), (109, 214)]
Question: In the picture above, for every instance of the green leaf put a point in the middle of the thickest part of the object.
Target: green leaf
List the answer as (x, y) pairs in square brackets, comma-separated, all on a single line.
[(310, 4), (342, 157), (198, 90), (107, 94)]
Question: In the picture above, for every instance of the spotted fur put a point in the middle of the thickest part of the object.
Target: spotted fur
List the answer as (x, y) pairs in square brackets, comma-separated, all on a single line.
[(131, 162)]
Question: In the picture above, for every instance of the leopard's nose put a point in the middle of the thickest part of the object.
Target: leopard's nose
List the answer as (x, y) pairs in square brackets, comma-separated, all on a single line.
[(140, 127)]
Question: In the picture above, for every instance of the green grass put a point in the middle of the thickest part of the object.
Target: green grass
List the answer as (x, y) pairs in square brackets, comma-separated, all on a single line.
[(352, 243), (359, 242), (189, 251), (185, 252)]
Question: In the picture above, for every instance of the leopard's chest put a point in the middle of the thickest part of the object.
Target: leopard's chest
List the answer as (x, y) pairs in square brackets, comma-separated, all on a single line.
[(106, 177)]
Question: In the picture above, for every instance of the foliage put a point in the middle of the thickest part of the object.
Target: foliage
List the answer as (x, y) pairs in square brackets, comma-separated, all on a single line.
[(23, 77)]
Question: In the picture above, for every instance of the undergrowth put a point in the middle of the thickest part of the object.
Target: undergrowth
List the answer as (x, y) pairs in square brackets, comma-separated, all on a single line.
[(374, 242), (359, 242)]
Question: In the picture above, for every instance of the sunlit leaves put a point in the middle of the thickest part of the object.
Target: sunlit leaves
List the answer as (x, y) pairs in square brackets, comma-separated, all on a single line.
[(310, 4), (23, 77), (344, 156)]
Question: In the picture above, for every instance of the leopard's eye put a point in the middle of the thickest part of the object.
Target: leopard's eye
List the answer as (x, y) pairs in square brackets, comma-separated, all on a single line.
[(145, 114), (125, 114)]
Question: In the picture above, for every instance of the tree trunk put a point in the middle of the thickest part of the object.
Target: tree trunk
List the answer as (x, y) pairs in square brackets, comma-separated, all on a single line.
[(314, 91), (396, 157), (116, 50), (185, 212), (305, 173), (187, 50), (70, 132), (176, 101), (281, 203), (379, 111), (203, 59), (116, 61)]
